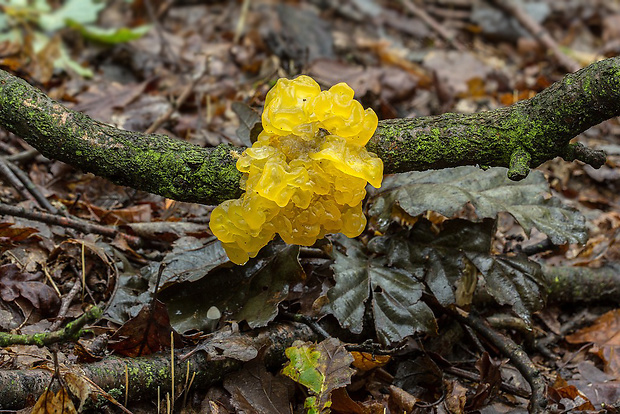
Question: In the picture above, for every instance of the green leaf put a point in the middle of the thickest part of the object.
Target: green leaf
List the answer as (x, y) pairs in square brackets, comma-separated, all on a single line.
[(448, 191), (110, 36), (442, 260), (80, 11), (394, 295), (251, 292), (321, 368)]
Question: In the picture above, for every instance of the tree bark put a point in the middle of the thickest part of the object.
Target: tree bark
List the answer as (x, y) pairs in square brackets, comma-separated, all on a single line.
[(144, 375), (519, 137)]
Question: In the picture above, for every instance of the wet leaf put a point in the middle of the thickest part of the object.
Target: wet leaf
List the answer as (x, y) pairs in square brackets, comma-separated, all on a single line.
[(365, 361), (49, 403), (254, 390), (15, 283), (444, 260), (191, 259), (130, 296), (449, 190), (226, 344), (10, 234), (249, 123), (251, 292), (393, 294), (145, 334), (604, 331), (322, 368)]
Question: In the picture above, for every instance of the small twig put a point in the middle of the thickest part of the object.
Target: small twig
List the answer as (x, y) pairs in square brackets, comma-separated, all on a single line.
[(71, 332), (472, 376), (519, 358), (75, 223), (312, 324), (13, 180), (23, 156), (241, 22), (433, 24), (66, 302), (539, 33), (32, 189), (541, 246)]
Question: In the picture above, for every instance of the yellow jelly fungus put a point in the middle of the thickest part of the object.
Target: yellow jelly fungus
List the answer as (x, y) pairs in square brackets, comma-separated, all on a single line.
[(306, 174)]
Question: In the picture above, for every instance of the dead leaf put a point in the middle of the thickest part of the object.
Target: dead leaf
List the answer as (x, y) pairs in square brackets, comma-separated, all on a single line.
[(15, 284), (604, 331), (145, 334), (257, 391), (365, 361), (50, 403)]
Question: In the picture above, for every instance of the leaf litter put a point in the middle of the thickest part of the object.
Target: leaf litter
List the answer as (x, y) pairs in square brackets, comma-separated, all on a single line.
[(437, 234)]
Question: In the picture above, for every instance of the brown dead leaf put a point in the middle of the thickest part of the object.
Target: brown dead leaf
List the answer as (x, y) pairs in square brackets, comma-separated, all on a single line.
[(15, 284), (255, 390), (365, 361), (103, 98), (604, 331), (9, 234), (455, 81), (456, 397), (50, 403), (145, 334), (610, 355), (84, 388), (568, 396)]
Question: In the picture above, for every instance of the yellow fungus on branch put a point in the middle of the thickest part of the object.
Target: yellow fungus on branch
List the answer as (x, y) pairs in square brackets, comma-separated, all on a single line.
[(306, 174)]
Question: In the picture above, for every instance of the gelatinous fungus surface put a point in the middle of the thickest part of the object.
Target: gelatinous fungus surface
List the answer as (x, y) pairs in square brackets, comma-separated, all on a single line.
[(306, 174)]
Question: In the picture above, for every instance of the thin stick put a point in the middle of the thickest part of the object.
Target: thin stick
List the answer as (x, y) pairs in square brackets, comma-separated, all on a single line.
[(12, 179), (83, 269), (23, 156), (519, 358), (49, 279), (433, 24), (71, 332), (539, 33), (172, 367), (73, 222), (126, 385), (241, 22), (31, 188), (66, 302), (472, 376)]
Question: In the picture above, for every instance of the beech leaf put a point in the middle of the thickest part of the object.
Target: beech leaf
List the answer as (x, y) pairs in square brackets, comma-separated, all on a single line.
[(251, 292)]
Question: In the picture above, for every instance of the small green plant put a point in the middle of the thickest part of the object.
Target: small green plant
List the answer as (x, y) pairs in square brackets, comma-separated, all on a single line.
[(35, 25)]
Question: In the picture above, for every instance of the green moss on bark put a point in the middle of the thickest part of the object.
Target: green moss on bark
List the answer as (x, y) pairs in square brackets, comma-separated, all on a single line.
[(537, 129)]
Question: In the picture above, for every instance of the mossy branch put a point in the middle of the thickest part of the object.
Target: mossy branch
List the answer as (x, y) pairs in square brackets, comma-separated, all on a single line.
[(519, 137), (71, 332)]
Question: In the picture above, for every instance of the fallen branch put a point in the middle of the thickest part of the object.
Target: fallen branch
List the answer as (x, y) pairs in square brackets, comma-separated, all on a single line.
[(146, 374), (71, 332), (519, 137)]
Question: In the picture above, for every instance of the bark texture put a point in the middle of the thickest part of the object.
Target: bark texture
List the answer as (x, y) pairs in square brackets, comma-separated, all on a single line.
[(146, 374), (519, 137)]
